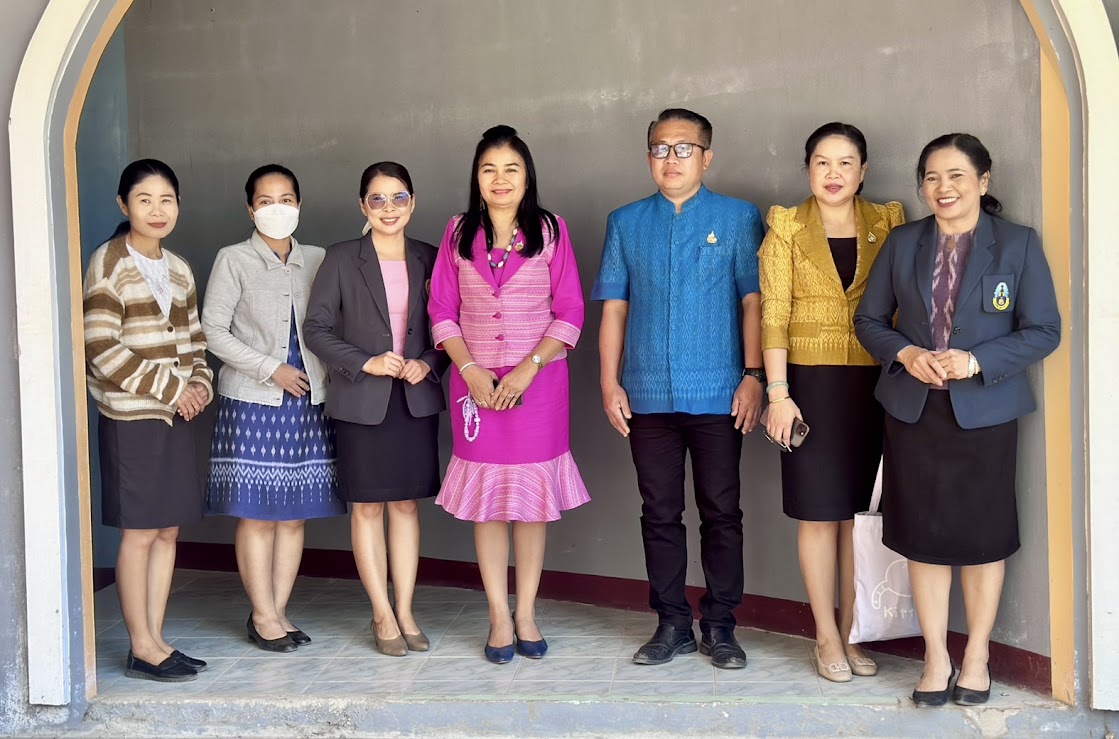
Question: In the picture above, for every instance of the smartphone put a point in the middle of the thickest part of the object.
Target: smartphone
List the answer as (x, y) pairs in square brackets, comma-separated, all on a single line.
[(800, 430), (520, 398)]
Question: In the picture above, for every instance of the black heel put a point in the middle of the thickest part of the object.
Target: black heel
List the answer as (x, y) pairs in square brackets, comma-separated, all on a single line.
[(962, 696), (934, 698)]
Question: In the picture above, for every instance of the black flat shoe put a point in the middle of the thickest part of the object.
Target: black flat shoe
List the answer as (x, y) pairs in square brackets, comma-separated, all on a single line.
[(934, 698), (719, 644), (667, 642), (962, 696), (299, 638), (197, 664), (283, 644), (169, 670)]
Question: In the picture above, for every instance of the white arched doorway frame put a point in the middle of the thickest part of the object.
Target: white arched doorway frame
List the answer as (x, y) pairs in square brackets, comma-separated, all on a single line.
[(51, 87)]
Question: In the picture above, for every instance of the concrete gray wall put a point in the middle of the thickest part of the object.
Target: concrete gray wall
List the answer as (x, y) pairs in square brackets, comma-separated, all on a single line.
[(19, 21), (217, 89)]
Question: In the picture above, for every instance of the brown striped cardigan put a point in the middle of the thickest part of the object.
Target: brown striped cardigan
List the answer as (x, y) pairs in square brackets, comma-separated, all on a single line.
[(138, 361)]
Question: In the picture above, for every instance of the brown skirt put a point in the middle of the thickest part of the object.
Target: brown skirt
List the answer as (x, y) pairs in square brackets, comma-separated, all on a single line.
[(150, 478), (948, 493)]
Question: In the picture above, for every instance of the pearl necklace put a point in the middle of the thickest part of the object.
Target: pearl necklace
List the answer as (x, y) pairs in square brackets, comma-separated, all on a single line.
[(508, 250)]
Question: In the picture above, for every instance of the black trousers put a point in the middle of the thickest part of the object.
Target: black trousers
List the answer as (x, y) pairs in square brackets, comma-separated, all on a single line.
[(659, 442)]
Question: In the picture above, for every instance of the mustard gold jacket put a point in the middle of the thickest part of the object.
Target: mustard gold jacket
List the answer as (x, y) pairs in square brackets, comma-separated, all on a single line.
[(805, 308)]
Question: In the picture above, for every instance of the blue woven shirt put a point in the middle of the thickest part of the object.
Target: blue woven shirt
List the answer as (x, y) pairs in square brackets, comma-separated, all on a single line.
[(684, 275)]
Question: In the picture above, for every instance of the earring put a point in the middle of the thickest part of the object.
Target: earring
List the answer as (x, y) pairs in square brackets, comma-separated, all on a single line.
[(482, 205)]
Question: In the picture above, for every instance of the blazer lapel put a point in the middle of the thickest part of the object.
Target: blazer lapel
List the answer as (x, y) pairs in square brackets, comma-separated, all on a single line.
[(371, 272), (417, 288), (926, 261), (979, 258), (872, 230), (812, 240), (481, 260)]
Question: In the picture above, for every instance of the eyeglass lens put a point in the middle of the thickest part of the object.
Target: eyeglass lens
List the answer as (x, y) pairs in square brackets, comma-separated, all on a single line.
[(378, 200), (660, 151)]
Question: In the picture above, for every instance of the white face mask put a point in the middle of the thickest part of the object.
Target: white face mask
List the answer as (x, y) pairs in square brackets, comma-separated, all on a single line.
[(276, 221)]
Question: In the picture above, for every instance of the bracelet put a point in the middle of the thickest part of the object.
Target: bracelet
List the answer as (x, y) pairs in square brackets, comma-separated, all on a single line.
[(776, 384), (466, 366), (779, 400)]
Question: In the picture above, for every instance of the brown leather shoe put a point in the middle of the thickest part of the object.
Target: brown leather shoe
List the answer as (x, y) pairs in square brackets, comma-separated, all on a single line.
[(417, 642)]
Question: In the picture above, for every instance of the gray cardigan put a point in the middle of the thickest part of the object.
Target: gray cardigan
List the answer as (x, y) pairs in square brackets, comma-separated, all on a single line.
[(246, 317)]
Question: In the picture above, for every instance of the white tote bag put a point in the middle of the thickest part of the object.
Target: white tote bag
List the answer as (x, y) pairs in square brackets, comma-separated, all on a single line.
[(883, 597)]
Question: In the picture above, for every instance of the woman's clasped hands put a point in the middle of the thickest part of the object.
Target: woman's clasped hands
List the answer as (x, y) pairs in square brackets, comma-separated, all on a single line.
[(391, 364), (499, 394), (934, 368)]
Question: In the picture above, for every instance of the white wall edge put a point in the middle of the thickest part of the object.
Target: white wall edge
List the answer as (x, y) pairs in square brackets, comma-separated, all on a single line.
[(1098, 64), (40, 386)]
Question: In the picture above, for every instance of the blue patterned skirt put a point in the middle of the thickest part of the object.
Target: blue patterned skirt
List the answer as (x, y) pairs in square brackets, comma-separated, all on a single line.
[(273, 463)]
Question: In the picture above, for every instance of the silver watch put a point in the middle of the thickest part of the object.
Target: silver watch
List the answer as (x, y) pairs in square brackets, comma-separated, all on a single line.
[(537, 360)]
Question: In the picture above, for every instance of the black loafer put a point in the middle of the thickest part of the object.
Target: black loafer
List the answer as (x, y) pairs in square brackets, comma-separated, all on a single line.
[(962, 696), (667, 642), (283, 644), (934, 698), (299, 638), (169, 670), (197, 664), (720, 645)]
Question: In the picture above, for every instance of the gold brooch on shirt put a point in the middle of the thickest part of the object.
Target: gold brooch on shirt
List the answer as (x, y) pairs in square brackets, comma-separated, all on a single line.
[(712, 238), (871, 237)]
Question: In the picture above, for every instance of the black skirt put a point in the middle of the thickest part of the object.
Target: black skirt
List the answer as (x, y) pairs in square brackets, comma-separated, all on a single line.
[(398, 459), (150, 476), (830, 477), (948, 493)]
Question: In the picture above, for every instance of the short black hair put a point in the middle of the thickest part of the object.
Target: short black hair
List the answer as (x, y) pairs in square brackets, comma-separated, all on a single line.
[(843, 130), (682, 114), (261, 172)]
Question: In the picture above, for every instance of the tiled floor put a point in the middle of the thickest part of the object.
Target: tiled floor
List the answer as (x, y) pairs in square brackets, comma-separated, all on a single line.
[(590, 651)]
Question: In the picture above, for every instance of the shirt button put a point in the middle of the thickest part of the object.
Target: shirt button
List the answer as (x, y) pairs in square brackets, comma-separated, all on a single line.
[(170, 328), (497, 315), (497, 293), (409, 331), (956, 330), (500, 337), (287, 269), (299, 295), (176, 363)]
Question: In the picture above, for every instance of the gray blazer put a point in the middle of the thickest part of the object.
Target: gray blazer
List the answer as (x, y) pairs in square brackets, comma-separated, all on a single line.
[(1006, 315), (348, 322)]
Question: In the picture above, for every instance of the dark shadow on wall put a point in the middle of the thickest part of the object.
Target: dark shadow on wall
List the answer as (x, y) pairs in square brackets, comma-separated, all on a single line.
[(103, 150)]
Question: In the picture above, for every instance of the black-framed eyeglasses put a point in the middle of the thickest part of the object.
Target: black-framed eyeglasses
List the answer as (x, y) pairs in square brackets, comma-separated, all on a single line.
[(378, 200), (683, 150)]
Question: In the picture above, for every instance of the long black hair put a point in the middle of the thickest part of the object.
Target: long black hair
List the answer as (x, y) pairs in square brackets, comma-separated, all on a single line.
[(843, 130), (976, 153), (263, 171), (530, 216), (133, 175)]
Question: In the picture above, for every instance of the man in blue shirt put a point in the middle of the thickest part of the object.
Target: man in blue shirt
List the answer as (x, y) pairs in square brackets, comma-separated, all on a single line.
[(681, 361)]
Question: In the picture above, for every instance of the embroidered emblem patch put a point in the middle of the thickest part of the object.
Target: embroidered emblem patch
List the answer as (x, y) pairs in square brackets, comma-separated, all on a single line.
[(1001, 299), (712, 238)]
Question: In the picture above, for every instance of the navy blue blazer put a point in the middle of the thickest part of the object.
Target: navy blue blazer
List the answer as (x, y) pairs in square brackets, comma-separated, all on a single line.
[(1006, 315)]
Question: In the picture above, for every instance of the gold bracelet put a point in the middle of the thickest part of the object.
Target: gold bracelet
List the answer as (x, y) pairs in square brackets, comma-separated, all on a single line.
[(771, 402)]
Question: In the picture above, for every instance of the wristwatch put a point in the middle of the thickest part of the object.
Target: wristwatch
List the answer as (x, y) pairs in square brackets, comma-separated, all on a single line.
[(537, 360), (755, 372)]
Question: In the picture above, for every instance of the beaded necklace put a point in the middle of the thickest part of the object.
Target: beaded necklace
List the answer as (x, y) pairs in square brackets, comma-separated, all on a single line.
[(508, 250)]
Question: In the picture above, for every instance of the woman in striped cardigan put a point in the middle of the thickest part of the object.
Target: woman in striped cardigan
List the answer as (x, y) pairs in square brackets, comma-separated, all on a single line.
[(146, 362)]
